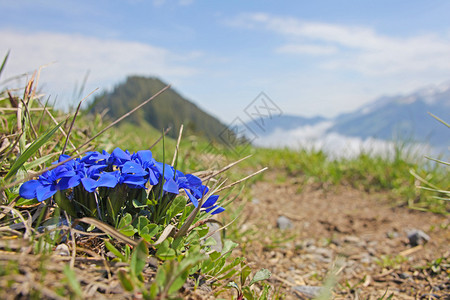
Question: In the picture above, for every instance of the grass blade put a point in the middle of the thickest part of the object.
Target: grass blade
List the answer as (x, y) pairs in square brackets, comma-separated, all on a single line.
[(22, 159), (4, 62)]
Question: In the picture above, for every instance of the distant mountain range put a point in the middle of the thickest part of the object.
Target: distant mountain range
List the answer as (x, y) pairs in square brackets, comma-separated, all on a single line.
[(402, 118), (168, 109)]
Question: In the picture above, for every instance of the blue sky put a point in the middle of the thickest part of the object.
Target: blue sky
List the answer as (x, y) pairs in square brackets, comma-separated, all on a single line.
[(309, 57)]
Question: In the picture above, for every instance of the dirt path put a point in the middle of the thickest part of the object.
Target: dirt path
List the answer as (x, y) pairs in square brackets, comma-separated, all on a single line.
[(363, 229)]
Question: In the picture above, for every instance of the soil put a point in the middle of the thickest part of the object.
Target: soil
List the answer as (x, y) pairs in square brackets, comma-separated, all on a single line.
[(359, 237)]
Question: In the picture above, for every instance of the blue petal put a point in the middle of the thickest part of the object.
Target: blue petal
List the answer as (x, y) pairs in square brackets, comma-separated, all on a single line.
[(134, 181), (211, 201), (168, 170), (200, 192), (89, 184), (133, 168), (28, 189), (63, 157), (120, 156), (45, 191), (69, 182), (94, 156), (171, 186), (192, 198), (152, 178), (144, 155), (107, 180), (216, 209), (193, 180)]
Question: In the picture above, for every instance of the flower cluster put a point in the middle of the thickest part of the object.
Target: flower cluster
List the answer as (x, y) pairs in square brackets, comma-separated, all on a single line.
[(135, 170)]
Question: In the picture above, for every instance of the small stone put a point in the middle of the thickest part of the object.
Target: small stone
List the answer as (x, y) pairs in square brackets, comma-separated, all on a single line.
[(417, 237), (351, 239), (62, 249), (214, 227), (284, 223), (404, 275), (392, 234), (255, 201), (308, 290)]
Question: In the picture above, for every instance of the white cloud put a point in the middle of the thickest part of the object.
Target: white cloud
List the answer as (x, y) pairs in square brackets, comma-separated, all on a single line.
[(185, 2), (335, 145), (356, 48), (107, 60), (179, 2), (307, 49)]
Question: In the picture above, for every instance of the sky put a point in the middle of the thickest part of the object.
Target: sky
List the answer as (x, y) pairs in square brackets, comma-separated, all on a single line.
[(309, 57)]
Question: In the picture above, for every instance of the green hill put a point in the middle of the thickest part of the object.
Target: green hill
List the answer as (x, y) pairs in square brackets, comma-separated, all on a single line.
[(168, 109)]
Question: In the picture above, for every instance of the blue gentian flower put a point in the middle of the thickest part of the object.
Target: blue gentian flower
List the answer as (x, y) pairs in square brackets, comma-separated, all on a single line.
[(208, 205), (105, 170), (47, 185)]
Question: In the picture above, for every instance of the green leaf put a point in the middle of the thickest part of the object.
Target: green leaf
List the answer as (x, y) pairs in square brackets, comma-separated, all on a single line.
[(128, 231), (37, 162), (248, 295), (178, 282), (149, 231), (214, 255), (138, 258), (245, 271), (74, 284), (64, 203), (114, 251), (183, 270), (142, 222), (125, 280), (210, 242), (219, 265), (153, 292), (163, 273), (164, 251), (207, 266), (265, 293), (125, 227), (228, 246), (31, 150), (137, 204), (228, 275), (234, 285), (22, 202), (230, 266), (262, 274), (177, 206)]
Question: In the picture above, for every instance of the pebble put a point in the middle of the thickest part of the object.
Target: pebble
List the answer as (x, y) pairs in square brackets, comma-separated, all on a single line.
[(417, 237), (284, 223), (351, 239), (216, 236), (308, 290), (62, 249), (392, 234), (255, 201)]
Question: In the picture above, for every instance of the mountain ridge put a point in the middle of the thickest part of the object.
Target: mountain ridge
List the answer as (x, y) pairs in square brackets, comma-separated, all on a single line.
[(399, 118), (168, 109)]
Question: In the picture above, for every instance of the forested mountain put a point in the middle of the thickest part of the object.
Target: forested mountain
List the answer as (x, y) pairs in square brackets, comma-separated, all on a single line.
[(168, 109)]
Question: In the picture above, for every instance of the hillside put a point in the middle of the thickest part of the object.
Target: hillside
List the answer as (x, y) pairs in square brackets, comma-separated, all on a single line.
[(168, 109)]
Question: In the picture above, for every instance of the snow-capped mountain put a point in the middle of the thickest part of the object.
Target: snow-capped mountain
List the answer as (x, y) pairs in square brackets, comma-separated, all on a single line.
[(400, 118)]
